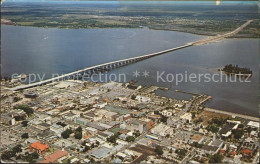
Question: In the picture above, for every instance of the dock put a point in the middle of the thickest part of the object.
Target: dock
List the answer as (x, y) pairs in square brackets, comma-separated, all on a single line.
[(194, 94)]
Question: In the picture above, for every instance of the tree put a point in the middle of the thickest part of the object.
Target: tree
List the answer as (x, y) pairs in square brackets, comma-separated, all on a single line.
[(7, 155), (133, 97), (25, 123), (113, 138), (164, 119), (238, 133), (181, 152), (216, 158), (25, 135), (17, 148), (86, 148), (130, 139), (66, 133), (241, 126), (137, 133), (79, 129), (193, 115), (78, 135), (197, 145), (158, 150), (35, 155)]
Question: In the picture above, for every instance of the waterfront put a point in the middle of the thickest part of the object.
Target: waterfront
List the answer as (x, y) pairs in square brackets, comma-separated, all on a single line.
[(40, 50)]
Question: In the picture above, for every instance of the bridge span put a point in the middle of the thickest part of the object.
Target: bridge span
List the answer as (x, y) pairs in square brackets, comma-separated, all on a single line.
[(119, 63)]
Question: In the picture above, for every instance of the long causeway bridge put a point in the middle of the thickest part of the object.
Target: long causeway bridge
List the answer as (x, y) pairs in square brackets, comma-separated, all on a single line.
[(119, 63)]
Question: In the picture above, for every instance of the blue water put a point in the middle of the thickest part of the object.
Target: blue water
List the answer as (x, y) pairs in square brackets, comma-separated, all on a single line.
[(50, 51)]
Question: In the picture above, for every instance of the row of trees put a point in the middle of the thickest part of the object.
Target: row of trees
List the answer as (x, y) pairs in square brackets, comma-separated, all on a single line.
[(77, 133)]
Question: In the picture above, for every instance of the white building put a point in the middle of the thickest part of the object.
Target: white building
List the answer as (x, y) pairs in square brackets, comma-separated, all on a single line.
[(162, 130), (186, 116)]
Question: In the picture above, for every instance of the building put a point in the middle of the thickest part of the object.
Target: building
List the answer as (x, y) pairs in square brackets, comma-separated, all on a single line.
[(186, 116), (31, 95), (58, 129), (155, 117), (56, 157), (166, 113), (213, 147), (100, 153), (134, 125), (81, 121), (143, 99), (197, 138), (7, 120), (253, 124), (162, 130), (39, 147), (104, 135), (100, 105)]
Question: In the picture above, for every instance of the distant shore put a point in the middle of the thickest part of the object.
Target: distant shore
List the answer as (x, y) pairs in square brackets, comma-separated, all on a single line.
[(177, 30)]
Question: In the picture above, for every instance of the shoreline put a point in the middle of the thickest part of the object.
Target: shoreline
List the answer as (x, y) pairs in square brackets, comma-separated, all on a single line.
[(177, 30), (247, 117)]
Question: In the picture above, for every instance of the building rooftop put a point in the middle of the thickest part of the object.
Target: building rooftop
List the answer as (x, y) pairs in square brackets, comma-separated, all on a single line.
[(52, 158), (100, 153), (39, 146)]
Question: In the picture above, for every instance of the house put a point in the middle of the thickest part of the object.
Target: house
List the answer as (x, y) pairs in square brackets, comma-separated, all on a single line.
[(56, 157), (39, 147)]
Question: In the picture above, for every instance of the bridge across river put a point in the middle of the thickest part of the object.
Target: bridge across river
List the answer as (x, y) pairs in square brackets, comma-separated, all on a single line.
[(120, 63)]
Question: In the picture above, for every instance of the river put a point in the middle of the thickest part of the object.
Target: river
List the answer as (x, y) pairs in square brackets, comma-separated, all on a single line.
[(51, 50)]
